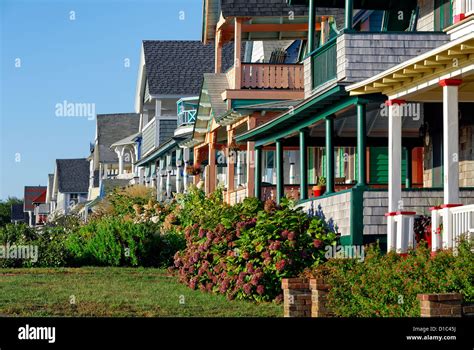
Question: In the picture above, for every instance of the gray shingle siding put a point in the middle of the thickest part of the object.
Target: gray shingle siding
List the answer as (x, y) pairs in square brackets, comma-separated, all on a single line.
[(363, 55), (166, 129)]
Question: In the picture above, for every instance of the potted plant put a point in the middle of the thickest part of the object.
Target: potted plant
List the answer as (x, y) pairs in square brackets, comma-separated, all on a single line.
[(320, 188)]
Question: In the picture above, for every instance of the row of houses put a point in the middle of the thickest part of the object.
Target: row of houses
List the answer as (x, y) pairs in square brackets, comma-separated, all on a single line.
[(362, 110)]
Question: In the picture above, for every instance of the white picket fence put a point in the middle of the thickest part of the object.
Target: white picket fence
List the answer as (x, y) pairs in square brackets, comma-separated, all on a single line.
[(448, 225)]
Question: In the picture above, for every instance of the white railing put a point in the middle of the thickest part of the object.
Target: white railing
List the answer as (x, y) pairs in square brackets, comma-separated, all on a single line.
[(449, 225), (465, 7), (469, 7)]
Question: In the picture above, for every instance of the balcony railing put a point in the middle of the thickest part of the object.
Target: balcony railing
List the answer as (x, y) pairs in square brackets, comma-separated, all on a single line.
[(272, 76), (187, 110), (187, 117), (324, 63)]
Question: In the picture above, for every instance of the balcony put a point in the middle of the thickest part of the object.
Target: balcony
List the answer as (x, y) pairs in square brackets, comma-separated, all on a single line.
[(265, 80), (353, 57), (187, 111)]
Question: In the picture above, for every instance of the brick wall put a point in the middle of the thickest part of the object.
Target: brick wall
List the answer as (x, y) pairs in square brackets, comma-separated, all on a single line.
[(305, 298), (296, 297), (319, 290), (440, 305)]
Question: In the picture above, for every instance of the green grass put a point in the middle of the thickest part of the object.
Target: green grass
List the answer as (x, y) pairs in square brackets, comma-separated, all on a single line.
[(141, 292)]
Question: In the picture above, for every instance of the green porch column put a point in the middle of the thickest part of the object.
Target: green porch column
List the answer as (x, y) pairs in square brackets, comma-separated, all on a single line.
[(349, 15), (311, 25), (303, 165), (329, 154), (258, 172), (361, 144), (408, 175), (280, 185)]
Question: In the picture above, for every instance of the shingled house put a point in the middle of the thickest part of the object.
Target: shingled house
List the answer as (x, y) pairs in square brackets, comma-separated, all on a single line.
[(111, 163), (70, 184), (169, 80), (30, 194)]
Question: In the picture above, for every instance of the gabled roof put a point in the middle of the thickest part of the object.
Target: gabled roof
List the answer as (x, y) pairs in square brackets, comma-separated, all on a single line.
[(210, 102), (112, 128), (31, 192), (73, 175), (40, 199), (17, 213), (176, 67)]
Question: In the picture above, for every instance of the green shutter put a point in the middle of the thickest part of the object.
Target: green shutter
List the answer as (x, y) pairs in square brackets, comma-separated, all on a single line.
[(379, 165)]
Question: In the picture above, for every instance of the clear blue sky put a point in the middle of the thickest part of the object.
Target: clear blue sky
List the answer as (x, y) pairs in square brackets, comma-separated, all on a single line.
[(81, 61)]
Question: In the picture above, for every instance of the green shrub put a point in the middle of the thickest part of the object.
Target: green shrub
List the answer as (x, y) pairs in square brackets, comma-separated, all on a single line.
[(387, 285), (49, 242), (244, 251), (116, 242)]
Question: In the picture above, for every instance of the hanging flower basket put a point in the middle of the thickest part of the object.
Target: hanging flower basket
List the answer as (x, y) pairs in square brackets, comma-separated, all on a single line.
[(193, 170), (233, 147)]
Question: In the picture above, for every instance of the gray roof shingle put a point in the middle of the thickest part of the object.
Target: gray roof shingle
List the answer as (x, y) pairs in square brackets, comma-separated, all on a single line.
[(176, 67), (112, 128), (73, 175), (261, 8)]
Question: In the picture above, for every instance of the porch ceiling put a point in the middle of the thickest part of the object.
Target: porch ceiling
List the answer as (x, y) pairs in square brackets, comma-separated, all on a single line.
[(418, 78), (309, 112), (345, 124)]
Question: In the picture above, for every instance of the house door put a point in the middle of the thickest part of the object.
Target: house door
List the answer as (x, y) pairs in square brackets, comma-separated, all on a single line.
[(443, 14)]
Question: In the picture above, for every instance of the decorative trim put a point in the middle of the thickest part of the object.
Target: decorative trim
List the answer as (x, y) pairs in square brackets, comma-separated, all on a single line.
[(450, 82)]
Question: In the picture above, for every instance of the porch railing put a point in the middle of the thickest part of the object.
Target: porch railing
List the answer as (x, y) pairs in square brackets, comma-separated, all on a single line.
[(272, 76), (324, 63), (449, 224)]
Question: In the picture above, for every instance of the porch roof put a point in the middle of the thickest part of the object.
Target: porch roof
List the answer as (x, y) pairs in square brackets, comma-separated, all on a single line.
[(358, 4), (422, 73), (302, 116), (127, 140), (163, 149)]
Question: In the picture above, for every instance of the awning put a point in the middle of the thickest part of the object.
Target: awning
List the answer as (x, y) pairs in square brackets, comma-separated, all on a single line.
[(284, 124), (163, 149), (126, 141)]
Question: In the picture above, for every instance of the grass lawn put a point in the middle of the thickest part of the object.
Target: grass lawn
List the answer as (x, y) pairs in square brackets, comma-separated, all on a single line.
[(104, 291)]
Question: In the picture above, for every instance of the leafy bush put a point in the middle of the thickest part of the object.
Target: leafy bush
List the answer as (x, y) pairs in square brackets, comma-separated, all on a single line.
[(118, 242), (49, 242), (243, 251), (387, 285)]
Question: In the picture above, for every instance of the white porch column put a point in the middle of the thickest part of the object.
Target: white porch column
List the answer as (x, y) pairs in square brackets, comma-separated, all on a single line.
[(105, 175), (179, 166), (451, 140), (168, 176), (186, 164), (394, 171), (159, 192), (291, 174), (239, 168), (120, 150)]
